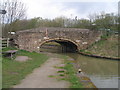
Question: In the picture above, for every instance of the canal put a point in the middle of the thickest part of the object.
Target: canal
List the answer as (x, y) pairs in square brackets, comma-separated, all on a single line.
[(102, 72)]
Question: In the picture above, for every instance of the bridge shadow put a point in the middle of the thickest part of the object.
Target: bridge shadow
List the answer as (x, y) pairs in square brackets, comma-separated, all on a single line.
[(58, 46)]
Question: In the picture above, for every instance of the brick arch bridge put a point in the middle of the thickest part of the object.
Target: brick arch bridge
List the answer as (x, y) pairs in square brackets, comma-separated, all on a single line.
[(72, 38)]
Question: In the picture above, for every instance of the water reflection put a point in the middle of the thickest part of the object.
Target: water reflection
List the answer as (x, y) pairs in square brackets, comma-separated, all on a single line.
[(103, 72)]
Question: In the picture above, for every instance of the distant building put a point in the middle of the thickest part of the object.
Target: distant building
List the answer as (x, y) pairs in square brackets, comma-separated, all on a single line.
[(119, 8)]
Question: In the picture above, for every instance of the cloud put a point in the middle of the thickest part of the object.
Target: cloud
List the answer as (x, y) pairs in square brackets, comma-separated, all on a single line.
[(52, 8)]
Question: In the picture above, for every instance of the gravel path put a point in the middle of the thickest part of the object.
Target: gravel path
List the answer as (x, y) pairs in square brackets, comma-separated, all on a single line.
[(22, 58), (40, 77)]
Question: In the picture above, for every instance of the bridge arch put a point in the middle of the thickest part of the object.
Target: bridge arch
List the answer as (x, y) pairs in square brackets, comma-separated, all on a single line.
[(69, 45)]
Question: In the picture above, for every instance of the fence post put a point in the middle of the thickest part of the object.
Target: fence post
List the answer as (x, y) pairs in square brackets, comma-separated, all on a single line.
[(7, 42)]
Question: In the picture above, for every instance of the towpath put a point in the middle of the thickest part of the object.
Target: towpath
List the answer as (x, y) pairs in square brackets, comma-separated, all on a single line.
[(39, 78)]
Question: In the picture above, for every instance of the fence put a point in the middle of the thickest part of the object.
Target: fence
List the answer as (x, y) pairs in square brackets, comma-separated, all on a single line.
[(5, 42)]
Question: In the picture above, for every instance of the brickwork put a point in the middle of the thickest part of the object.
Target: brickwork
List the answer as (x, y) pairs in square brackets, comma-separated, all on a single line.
[(32, 39)]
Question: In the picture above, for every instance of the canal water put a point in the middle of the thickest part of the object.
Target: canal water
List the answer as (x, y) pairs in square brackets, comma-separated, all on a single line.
[(102, 72)]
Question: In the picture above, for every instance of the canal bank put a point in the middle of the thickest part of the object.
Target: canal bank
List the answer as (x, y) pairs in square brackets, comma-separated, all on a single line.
[(102, 72), (76, 77), (96, 56), (106, 48)]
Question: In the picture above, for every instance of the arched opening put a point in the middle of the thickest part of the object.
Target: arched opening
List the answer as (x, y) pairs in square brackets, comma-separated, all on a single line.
[(58, 45)]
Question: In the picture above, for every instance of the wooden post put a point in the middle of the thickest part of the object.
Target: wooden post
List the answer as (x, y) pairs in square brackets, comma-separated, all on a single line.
[(11, 56), (7, 42)]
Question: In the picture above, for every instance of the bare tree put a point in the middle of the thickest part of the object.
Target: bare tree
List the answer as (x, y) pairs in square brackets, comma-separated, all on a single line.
[(15, 11)]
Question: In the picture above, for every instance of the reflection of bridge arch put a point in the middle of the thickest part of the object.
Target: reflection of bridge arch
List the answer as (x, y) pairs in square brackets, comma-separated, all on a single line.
[(69, 44)]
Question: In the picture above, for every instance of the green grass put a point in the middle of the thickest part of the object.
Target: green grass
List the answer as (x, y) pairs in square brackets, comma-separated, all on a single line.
[(0, 72), (51, 76), (61, 74), (60, 71), (71, 74), (14, 72), (9, 48), (107, 46)]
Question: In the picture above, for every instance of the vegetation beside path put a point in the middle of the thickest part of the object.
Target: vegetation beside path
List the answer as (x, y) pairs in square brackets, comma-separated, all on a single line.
[(67, 72), (14, 71), (71, 74), (77, 80)]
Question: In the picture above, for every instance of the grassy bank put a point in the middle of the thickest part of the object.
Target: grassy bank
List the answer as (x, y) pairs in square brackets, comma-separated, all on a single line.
[(14, 71), (70, 74), (107, 46)]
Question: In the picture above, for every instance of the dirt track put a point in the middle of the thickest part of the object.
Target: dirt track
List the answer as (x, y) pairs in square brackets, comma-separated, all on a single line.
[(40, 77)]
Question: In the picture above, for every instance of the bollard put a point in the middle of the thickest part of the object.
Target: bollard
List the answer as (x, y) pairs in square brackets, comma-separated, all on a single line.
[(79, 70)]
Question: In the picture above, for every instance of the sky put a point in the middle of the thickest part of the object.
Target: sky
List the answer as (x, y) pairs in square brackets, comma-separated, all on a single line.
[(69, 8)]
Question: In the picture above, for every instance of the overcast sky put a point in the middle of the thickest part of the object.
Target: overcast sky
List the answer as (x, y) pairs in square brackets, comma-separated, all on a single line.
[(69, 8)]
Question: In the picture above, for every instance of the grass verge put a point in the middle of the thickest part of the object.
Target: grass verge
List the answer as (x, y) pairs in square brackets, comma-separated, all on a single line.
[(71, 74), (107, 47), (13, 72)]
